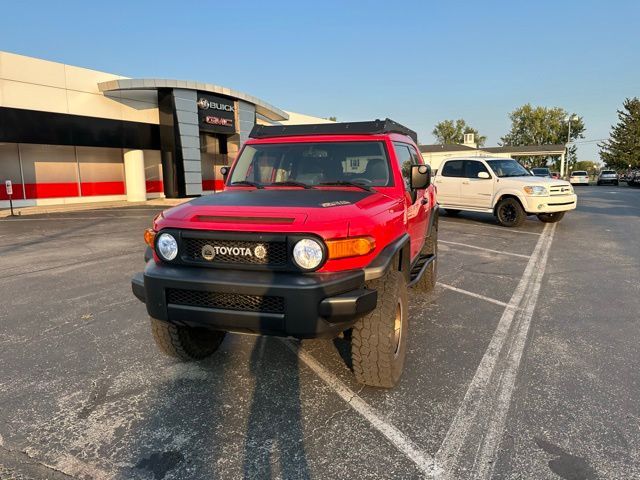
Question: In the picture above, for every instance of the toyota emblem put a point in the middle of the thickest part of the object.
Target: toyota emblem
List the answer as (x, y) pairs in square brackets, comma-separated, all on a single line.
[(208, 253), (260, 251)]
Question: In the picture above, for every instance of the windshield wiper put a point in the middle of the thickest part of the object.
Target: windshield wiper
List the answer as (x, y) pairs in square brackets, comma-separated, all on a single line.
[(290, 183), (247, 183), (344, 183)]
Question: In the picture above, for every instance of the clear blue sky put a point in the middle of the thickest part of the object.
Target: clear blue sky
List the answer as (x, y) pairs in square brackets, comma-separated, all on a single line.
[(416, 62)]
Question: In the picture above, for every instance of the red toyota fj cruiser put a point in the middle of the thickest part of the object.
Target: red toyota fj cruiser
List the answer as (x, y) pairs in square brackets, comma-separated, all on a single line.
[(320, 230)]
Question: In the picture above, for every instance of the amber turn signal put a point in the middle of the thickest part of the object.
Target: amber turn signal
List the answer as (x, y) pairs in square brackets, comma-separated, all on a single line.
[(149, 237), (350, 247)]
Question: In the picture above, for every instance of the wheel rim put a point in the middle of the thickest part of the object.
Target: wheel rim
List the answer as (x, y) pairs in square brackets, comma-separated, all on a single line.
[(397, 329), (508, 213)]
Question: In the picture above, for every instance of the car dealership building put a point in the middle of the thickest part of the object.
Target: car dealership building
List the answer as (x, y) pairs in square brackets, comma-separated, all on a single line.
[(70, 134)]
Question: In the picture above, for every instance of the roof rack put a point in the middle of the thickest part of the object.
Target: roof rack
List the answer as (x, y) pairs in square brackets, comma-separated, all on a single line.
[(342, 128)]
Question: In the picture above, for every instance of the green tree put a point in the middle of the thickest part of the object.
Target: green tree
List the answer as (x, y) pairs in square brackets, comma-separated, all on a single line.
[(543, 126), (587, 165), (623, 147), (452, 131)]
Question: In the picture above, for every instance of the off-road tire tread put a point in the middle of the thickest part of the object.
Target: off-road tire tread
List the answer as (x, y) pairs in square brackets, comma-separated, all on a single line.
[(178, 342), (372, 341)]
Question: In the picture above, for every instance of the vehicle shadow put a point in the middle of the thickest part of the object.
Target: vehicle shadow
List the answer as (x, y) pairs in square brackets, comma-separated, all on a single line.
[(274, 430), (207, 422), (480, 218)]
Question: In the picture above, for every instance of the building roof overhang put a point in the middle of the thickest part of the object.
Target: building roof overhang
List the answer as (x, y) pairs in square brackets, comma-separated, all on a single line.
[(524, 150), (262, 107)]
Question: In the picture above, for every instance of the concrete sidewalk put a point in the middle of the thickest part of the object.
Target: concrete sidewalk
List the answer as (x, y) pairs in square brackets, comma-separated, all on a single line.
[(76, 207)]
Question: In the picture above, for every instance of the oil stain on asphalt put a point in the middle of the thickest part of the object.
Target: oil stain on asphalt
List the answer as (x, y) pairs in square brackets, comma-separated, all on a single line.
[(565, 465)]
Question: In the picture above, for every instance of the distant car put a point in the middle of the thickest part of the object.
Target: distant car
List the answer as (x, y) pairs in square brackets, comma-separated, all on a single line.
[(555, 175), (608, 176), (579, 177), (541, 172)]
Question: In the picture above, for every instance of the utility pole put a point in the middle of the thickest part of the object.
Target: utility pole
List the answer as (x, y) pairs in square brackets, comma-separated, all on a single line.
[(565, 158)]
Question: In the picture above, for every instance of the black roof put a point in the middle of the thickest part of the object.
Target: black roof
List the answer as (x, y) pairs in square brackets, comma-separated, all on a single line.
[(334, 128)]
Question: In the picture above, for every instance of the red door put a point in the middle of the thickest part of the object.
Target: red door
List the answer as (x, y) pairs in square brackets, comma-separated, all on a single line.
[(417, 204)]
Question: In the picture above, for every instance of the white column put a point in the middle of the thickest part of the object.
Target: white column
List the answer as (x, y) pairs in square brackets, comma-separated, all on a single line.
[(134, 175)]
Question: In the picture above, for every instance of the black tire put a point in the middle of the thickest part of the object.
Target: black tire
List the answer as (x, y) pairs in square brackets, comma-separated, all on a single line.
[(599, 183), (616, 183), (510, 213), (379, 340), (452, 212), (428, 280), (550, 217), (185, 343)]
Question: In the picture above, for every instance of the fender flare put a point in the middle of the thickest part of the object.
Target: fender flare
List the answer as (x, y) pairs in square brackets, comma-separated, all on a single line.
[(395, 255)]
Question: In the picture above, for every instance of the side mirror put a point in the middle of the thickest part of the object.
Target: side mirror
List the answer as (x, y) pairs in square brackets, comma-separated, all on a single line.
[(420, 176), (484, 175), (224, 171)]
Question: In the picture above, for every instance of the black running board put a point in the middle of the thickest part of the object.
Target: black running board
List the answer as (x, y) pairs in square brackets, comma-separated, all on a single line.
[(419, 266)]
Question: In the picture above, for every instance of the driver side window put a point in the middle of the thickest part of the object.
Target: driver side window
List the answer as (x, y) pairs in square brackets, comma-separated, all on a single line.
[(405, 160), (472, 168)]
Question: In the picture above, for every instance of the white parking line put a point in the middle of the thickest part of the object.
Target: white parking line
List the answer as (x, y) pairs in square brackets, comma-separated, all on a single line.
[(480, 225), (475, 434), (484, 249), (471, 294), (422, 460)]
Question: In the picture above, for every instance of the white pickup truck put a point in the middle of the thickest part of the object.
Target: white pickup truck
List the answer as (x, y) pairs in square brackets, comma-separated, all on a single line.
[(503, 187)]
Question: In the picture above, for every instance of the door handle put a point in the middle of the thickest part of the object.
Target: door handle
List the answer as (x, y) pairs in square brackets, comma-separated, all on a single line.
[(466, 182)]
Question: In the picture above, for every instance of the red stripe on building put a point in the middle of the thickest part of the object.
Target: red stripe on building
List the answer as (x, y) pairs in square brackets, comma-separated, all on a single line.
[(154, 186), (213, 185), (17, 192), (51, 190), (102, 188)]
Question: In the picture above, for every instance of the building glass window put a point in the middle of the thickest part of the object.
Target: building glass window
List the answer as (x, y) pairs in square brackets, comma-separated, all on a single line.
[(101, 171), (49, 171), (10, 170), (153, 171)]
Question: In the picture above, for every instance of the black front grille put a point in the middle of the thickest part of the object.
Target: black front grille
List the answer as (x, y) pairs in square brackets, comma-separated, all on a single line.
[(225, 301), (235, 252)]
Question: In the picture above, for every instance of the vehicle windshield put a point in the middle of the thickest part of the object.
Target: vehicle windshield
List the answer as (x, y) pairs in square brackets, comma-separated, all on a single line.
[(508, 168), (313, 163), (579, 174), (541, 171)]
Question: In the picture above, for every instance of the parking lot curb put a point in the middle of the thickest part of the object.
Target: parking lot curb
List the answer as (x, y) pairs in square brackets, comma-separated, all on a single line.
[(81, 207)]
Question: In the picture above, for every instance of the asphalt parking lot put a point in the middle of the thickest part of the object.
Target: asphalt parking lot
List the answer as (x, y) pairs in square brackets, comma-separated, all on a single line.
[(521, 364)]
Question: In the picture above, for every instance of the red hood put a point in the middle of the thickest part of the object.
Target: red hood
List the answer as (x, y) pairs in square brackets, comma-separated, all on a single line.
[(282, 209)]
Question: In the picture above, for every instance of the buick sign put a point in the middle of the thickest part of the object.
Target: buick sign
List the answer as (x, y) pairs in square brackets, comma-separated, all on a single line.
[(204, 104)]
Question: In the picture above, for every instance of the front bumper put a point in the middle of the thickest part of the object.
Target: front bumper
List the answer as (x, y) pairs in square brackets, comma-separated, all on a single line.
[(308, 305), (551, 204)]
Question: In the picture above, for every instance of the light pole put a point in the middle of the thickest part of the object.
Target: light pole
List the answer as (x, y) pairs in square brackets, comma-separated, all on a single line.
[(566, 155)]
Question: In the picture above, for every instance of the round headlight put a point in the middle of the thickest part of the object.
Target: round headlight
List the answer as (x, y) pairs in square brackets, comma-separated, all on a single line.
[(307, 253), (167, 246)]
